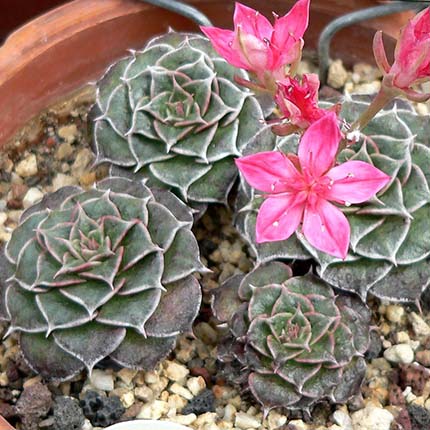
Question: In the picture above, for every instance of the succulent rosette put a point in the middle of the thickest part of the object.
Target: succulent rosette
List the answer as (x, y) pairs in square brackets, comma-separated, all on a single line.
[(173, 116), (389, 234), (94, 274), (297, 342)]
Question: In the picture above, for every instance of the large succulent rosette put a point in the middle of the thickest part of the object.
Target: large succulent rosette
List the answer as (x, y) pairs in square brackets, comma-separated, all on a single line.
[(297, 342), (96, 274), (390, 235), (173, 115)]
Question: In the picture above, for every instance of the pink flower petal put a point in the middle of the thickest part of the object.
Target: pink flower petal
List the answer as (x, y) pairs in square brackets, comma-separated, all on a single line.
[(326, 228), (222, 41), (252, 22), (279, 217), (355, 182), (412, 54), (299, 101), (291, 26), (318, 146), (271, 172), (253, 51), (379, 53)]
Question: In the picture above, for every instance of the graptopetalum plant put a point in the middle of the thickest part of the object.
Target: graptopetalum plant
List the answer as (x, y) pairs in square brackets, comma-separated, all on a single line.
[(358, 204), (173, 114), (295, 341), (389, 235), (95, 274)]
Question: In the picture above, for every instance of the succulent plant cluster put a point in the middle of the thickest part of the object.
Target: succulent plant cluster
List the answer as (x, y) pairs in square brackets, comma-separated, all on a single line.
[(298, 342), (95, 274), (390, 239), (107, 273), (173, 115)]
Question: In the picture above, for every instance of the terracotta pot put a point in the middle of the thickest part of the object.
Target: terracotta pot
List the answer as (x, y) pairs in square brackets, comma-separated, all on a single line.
[(4, 425), (72, 45)]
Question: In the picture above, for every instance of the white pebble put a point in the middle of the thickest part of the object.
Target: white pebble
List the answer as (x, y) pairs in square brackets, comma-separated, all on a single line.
[(153, 410), (246, 421), (176, 402), (372, 418), (144, 393), (32, 196), (394, 313), (402, 337), (61, 180), (68, 133), (101, 380), (127, 399), (175, 372), (152, 377), (184, 419), (196, 385), (342, 419), (229, 412), (419, 326), (276, 420), (206, 418), (182, 391), (87, 425), (3, 218), (401, 353), (27, 167), (126, 375), (298, 425)]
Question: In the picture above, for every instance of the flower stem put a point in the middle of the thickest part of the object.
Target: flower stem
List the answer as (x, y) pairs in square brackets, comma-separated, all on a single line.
[(384, 96)]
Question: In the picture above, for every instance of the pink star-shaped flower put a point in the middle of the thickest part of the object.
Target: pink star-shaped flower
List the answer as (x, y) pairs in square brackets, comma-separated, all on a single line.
[(298, 189), (256, 45)]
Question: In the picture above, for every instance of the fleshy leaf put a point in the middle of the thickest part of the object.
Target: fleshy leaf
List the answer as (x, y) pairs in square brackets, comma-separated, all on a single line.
[(103, 340), (142, 353), (47, 358), (182, 299)]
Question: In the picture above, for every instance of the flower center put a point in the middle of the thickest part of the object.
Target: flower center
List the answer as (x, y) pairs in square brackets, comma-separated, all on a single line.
[(290, 332)]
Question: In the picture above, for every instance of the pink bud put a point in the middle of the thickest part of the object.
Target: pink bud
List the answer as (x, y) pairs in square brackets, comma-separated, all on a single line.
[(411, 59), (298, 102)]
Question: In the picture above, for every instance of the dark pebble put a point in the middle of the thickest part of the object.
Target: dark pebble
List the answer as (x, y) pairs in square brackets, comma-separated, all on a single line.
[(6, 394), (35, 400), (33, 180), (67, 414), (33, 405), (207, 246), (7, 411), (14, 204), (101, 411), (375, 346), (420, 417), (12, 371), (204, 402)]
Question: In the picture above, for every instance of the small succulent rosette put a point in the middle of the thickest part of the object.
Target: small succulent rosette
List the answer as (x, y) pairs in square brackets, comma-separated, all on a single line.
[(173, 116), (95, 274), (390, 234), (295, 342)]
